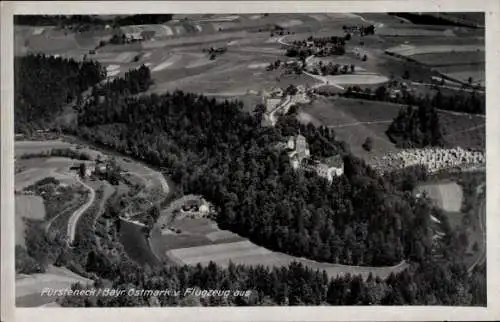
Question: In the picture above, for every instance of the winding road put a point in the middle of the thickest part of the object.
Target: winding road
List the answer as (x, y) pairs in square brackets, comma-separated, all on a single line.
[(73, 220)]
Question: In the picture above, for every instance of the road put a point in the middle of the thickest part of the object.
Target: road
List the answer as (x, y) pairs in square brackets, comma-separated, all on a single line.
[(73, 220), (482, 226), (359, 123), (288, 101), (323, 81)]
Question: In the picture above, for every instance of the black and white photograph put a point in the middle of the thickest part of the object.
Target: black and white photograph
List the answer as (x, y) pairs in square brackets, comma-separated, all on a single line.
[(250, 159)]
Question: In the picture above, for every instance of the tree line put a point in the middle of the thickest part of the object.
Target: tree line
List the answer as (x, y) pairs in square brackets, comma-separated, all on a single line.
[(70, 153), (65, 20), (457, 101)]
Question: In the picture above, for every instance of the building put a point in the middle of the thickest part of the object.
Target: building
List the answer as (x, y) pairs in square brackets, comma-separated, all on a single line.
[(272, 103), (298, 150), (336, 166), (89, 170)]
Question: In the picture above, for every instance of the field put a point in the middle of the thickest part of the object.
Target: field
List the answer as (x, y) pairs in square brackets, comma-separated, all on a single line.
[(353, 121), (457, 62), (447, 196), (410, 50), (467, 131), (29, 287), (175, 53), (53, 41), (457, 58), (201, 241)]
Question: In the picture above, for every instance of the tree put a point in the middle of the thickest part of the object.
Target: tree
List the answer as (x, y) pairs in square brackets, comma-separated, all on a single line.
[(368, 145), (83, 170)]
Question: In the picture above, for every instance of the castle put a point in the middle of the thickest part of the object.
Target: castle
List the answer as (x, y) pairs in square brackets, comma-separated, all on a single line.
[(298, 150), (299, 154)]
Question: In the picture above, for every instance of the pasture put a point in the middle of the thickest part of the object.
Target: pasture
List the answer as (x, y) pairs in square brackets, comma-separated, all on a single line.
[(247, 253), (457, 58), (53, 41), (410, 50), (467, 131)]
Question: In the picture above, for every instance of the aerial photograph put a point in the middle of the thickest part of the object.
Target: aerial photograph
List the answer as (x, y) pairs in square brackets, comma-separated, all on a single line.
[(267, 159)]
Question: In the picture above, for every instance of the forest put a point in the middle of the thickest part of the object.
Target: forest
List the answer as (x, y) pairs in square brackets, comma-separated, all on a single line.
[(44, 85), (217, 150)]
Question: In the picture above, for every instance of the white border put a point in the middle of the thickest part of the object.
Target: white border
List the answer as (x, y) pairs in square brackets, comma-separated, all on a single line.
[(491, 7)]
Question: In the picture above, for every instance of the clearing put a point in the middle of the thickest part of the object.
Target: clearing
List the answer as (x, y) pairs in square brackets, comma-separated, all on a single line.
[(447, 196)]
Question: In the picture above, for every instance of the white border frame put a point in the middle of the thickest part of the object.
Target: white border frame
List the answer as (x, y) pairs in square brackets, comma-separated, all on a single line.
[(357, 313)]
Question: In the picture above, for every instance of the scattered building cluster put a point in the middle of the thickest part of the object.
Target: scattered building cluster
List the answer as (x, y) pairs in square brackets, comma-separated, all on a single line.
[(434, 159), (279, 101), (196, 206), (99, 167)]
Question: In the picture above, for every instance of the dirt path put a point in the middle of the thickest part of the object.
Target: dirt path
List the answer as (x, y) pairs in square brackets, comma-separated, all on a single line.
[(73, 220)]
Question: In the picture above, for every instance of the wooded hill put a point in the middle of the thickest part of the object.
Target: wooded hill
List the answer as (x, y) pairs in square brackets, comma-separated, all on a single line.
[(44, 85)]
